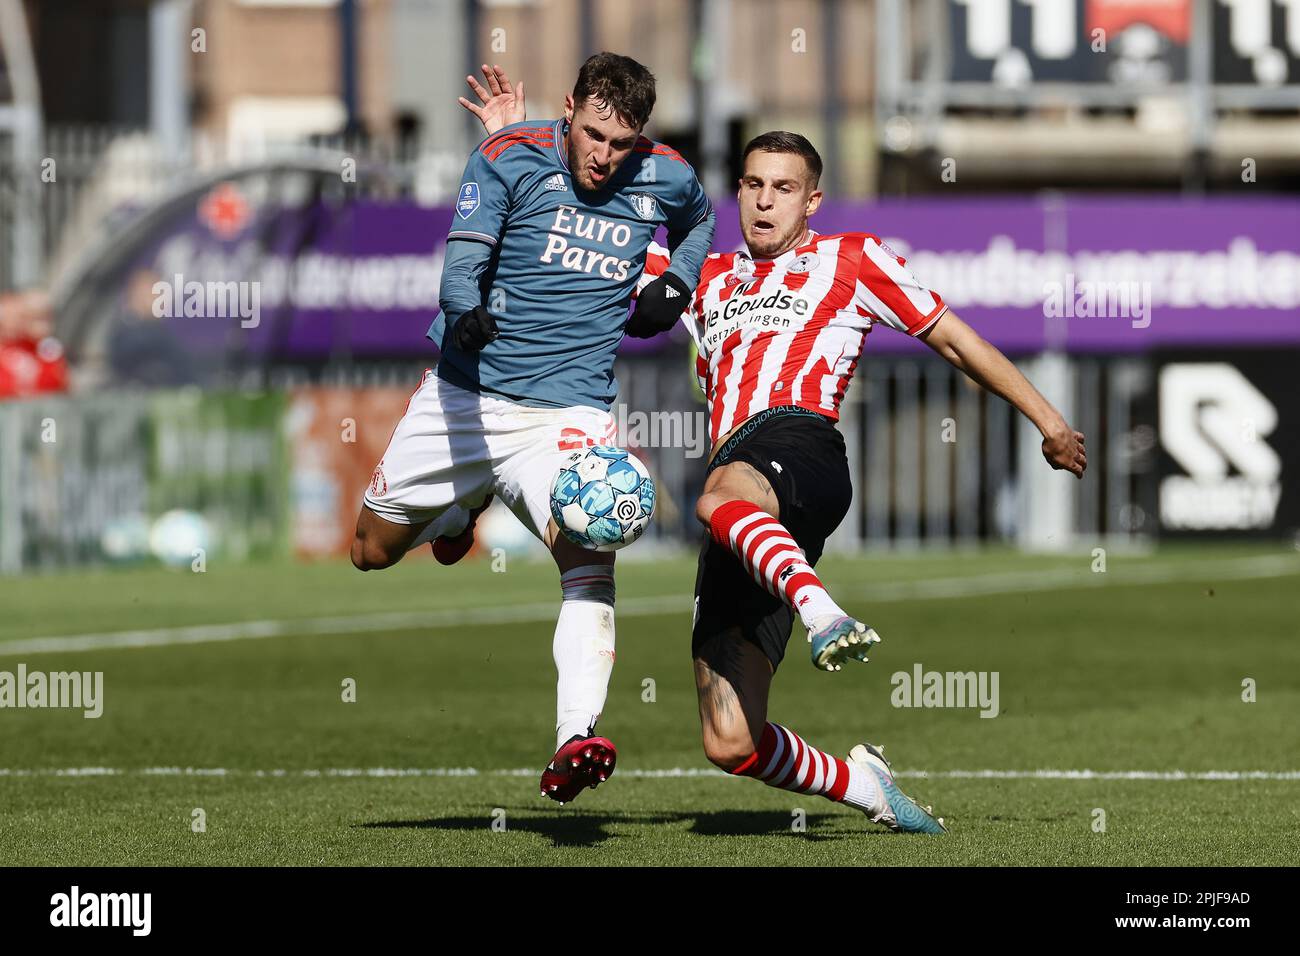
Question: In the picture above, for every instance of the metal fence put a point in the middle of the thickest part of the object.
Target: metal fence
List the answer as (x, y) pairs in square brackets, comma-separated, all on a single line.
[(935, 461), (87, 172), (83, 479)]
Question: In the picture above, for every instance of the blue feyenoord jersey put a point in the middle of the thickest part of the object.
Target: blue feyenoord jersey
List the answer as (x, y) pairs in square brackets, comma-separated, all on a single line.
[(557, 265)]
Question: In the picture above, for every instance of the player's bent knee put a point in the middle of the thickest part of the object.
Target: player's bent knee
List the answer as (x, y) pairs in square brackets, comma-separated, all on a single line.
[(369, 556), (728, 752), (708, 503)]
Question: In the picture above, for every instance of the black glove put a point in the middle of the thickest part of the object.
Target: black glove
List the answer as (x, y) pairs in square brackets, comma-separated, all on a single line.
[(473, 330), (659, 306)]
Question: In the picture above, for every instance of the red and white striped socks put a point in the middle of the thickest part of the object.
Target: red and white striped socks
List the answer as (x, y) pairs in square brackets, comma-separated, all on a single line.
[(772, 557), (786, 761)]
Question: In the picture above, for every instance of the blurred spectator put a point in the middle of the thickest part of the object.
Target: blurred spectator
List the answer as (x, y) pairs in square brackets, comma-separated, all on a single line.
[(31, 358), (142, 350)]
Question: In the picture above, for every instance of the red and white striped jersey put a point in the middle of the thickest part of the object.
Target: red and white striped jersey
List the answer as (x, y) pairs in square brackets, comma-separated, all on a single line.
[(789, 330)]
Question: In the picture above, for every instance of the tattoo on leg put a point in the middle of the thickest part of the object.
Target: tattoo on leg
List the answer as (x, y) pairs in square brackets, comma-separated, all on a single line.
[(757, 479), (751, 482), (721, 696), (722, 665)]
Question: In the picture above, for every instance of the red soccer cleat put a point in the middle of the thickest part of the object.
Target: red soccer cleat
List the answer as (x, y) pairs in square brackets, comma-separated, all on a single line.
[(451, 550), (582, 762)]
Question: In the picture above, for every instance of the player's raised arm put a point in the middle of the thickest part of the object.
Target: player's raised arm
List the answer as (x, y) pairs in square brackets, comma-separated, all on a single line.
[(481, 205), (890, 292), (966, 350), (502, 104)]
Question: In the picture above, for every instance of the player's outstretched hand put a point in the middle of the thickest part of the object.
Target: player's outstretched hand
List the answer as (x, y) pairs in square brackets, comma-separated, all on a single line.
[(1063, 448), (503, 104)]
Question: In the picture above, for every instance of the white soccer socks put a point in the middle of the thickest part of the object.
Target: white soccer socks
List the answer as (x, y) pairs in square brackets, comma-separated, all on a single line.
[(583, 649)]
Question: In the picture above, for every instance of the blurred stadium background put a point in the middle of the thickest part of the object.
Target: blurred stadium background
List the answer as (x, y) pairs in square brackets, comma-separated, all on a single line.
[(309, 149)]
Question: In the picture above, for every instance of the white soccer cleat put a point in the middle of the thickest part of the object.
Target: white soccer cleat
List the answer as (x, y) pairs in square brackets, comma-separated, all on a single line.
[(901, 813)]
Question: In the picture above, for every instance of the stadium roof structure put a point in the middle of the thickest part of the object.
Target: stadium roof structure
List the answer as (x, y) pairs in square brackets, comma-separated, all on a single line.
[(79, 290), (1126, 90)]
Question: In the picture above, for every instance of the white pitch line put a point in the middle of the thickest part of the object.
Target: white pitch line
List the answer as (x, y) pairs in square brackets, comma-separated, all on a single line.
[(1060, 579), (1063, 579), (1157, 775), (316, 626)]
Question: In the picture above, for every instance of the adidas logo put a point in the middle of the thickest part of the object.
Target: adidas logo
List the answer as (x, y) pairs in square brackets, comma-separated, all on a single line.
[(557, 183), (671, 293)]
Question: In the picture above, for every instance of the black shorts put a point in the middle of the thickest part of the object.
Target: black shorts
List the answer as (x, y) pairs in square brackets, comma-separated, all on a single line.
[(802, 456)]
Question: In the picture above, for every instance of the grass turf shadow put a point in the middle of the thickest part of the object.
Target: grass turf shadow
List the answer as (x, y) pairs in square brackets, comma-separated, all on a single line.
[(584, 829)]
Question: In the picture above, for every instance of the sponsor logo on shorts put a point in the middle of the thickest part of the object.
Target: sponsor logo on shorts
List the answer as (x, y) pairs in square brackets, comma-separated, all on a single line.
[(571, 438)]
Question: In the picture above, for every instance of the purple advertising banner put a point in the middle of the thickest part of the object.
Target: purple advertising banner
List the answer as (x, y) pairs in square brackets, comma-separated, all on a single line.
[(1113, 274), (1086, 274)]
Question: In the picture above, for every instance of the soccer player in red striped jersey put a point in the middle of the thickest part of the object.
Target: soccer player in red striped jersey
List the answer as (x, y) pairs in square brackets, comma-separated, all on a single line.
[(780, 328)]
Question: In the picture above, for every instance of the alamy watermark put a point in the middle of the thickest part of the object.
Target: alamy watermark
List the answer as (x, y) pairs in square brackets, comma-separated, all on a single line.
[(1087, 298), (688, 430), (179, 299), (77, 690), (922, 688), (128, 910)]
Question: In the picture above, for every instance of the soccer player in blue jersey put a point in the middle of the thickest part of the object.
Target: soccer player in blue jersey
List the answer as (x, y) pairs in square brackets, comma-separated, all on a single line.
[(552, 222)]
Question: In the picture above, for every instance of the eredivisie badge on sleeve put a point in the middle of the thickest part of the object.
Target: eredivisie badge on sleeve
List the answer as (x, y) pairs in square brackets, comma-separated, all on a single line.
[(467, 202)]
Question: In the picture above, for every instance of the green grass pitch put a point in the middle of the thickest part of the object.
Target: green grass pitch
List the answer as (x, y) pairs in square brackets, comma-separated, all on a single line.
[(1139, 668)]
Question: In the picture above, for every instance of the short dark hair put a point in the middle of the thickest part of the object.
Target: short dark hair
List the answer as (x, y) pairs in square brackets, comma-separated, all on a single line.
[(619, 83), (779, 141)]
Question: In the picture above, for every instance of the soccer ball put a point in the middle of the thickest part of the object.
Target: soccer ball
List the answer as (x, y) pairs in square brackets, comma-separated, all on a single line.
[(603, 498), (178, 536)]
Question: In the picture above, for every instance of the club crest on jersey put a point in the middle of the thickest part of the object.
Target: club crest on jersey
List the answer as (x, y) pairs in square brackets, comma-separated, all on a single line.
[(467, 202), (644, 205), (742, 271), (804, 263)]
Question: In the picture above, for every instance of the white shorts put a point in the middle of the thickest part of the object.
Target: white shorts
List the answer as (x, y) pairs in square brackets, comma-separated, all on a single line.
[(454, 447)]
